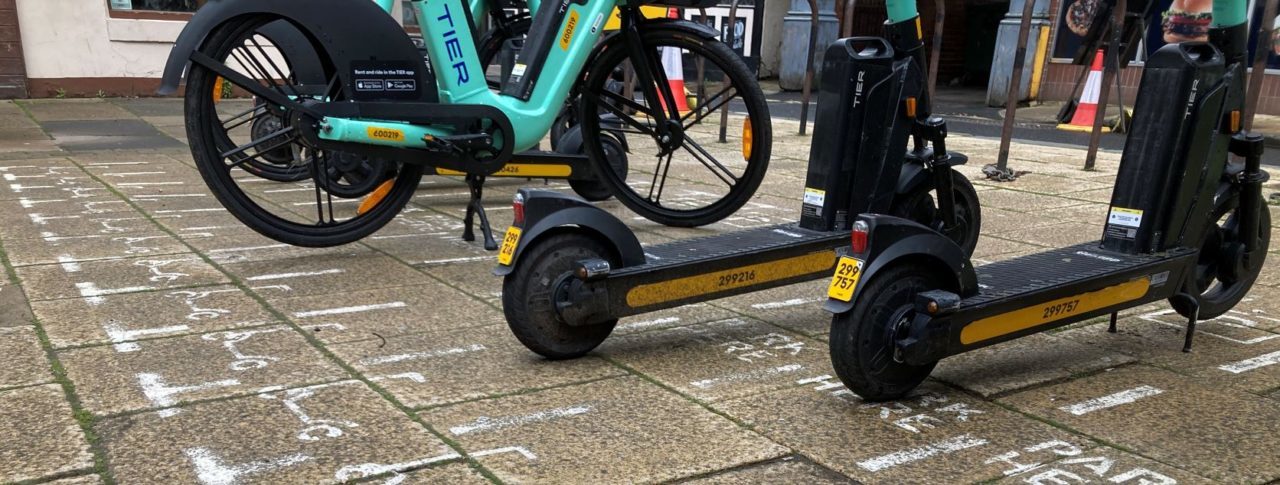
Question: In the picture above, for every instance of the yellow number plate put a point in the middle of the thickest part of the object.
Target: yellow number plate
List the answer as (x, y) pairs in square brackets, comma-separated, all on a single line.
[(509, 245), (848, 272)]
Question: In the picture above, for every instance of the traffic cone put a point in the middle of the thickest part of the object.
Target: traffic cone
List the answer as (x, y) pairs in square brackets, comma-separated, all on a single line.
[(1087, 109), (673, 66)]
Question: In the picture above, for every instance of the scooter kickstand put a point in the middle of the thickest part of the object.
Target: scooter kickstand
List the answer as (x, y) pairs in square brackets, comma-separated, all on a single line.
[(476, 207), (1192, 320), (1112, 328)]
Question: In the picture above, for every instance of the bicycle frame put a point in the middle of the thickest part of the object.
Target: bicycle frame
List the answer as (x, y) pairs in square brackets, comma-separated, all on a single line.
[(460, 78)]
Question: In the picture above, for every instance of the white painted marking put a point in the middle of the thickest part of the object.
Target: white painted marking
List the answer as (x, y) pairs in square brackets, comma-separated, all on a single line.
[(281, 191), (351, 309), (391, 359), (352, 472), (510, 449), (285, 276), (947, 446), (438, 262), (163, 395), (746, 376), (122, 338), (187, 211), (408, 376), (788, 233), (1111, 400), (69, 264), (247, 249), (39, 220), (335, 202), (785, 304), (112, 164), (651, 323), (485, 423), (1226, 320), (93, 295), (211, 470), (169, 196), (1252, 364), (131, 174), (29, 204), (148, 184)]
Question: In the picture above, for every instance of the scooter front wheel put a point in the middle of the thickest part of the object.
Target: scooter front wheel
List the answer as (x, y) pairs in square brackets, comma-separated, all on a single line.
[(1222, 275), (531, 292), (863, 339), (921, 206)]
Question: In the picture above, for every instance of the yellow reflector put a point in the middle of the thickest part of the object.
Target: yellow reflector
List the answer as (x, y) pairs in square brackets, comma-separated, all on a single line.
[(748, 140), (1235, 121), (217, 89), (372, 200), (911, 107)]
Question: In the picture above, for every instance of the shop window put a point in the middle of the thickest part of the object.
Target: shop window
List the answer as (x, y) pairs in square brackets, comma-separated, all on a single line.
[(154, 9)]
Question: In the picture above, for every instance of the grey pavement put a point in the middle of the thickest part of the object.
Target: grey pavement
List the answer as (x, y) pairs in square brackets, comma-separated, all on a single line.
[(147, 337)]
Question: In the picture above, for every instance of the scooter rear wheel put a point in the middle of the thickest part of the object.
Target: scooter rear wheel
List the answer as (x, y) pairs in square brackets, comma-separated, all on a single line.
[(862, 339), (921, 206), (223, 146), (1218, 281), (529, 297)]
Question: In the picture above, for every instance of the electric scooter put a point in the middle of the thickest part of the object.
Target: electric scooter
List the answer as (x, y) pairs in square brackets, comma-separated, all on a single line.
[(571, 270), (1186, 224)]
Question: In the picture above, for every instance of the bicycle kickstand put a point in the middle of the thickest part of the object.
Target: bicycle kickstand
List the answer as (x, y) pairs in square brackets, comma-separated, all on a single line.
[(476, 207)]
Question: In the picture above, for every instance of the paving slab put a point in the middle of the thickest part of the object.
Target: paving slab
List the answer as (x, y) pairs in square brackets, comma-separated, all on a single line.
[(40, 434), (123, 319), (22, 361), (999, 221), (993, 248), (787, 470), (796, 307), (92, 279), (1019, 201), (1025, 362), (572, 435), (14, 311), (389, 312), (80, 480), (1227, 351), (1042, 183), (114, 224), (1210, 430), (330, 273), (92, 247), (1091, 465), (721, 360), (251, 247), (936, 435), (323, 434), (165, 372), (74, 109), (1057, 235), (459, 473), (453, 366)]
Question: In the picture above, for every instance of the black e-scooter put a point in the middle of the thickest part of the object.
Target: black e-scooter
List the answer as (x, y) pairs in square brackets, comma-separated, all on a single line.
[(1185, 224), (572, 270)]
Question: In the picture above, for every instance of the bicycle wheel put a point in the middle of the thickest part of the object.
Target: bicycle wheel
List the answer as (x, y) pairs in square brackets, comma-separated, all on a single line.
[(223, 145), (690, 178)]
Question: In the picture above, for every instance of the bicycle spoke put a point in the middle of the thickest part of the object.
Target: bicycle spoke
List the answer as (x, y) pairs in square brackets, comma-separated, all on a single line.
[(721, 173), (253, 110), (240, 150), (711, 107), (271, 62), (657, 184), (248, 84), (247, 61), (644, 128), (249, 158)]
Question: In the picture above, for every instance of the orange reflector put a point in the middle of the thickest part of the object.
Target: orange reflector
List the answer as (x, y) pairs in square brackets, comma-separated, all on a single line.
[(217, 89), (748, 140), (1235, 121), (372, 200), (911, 107)]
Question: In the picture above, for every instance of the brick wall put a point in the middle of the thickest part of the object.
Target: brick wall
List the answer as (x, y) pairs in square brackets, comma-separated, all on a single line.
[(1060, 78)]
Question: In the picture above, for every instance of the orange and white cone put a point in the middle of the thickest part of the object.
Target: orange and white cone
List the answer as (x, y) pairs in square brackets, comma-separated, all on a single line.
[(673, 66), (1087, 108)]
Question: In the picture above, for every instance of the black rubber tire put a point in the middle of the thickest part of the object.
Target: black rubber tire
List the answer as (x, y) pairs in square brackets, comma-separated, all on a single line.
[(201, 123), (859, 335), (1217, 297), (595, 190), (920, 206), (752, 97), (529, 304)]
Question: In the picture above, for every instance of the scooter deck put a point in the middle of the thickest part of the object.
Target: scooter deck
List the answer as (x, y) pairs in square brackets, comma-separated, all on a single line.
[(725, 265), (1058, 267)]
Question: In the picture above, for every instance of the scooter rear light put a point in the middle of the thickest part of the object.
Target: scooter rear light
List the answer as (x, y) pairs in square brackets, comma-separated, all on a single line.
[(518, 206), (859, 237)]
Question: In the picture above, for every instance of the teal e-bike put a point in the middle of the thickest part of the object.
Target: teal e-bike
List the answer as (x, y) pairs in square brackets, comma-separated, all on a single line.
[(350, 89)]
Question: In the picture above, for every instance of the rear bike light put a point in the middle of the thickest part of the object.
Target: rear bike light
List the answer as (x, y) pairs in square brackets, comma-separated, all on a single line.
[(518, 207), (859, 237)]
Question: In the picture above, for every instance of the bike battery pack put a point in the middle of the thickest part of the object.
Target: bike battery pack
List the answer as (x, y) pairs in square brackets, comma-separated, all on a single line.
[(1175, 143), (859, 142)]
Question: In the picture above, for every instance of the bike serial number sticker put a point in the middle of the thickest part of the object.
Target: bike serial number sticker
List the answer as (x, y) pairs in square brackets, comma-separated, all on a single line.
[(509, 244), (848, 272)]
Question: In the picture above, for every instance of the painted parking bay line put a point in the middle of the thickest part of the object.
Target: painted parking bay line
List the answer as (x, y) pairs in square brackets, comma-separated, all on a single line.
[(1253, 363), (351, 309), (947, 446), (1121, 398), (485, 423)]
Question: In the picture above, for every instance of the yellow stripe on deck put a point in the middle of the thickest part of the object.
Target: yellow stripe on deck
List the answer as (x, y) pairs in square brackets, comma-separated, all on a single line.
[(523, 170), (1062, 308), (720, 281)]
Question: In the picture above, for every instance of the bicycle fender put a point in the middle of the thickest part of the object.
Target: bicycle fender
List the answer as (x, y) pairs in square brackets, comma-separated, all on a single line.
[(893, 240), (347, 31), (549, 212), (914, 175), (649, 25)]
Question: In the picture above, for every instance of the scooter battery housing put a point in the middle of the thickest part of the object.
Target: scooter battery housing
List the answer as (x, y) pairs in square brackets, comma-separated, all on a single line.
[(858, 147), (1162, 192)]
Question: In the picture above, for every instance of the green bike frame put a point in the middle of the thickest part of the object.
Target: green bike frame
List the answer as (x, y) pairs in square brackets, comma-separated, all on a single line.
[(460, 77)]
